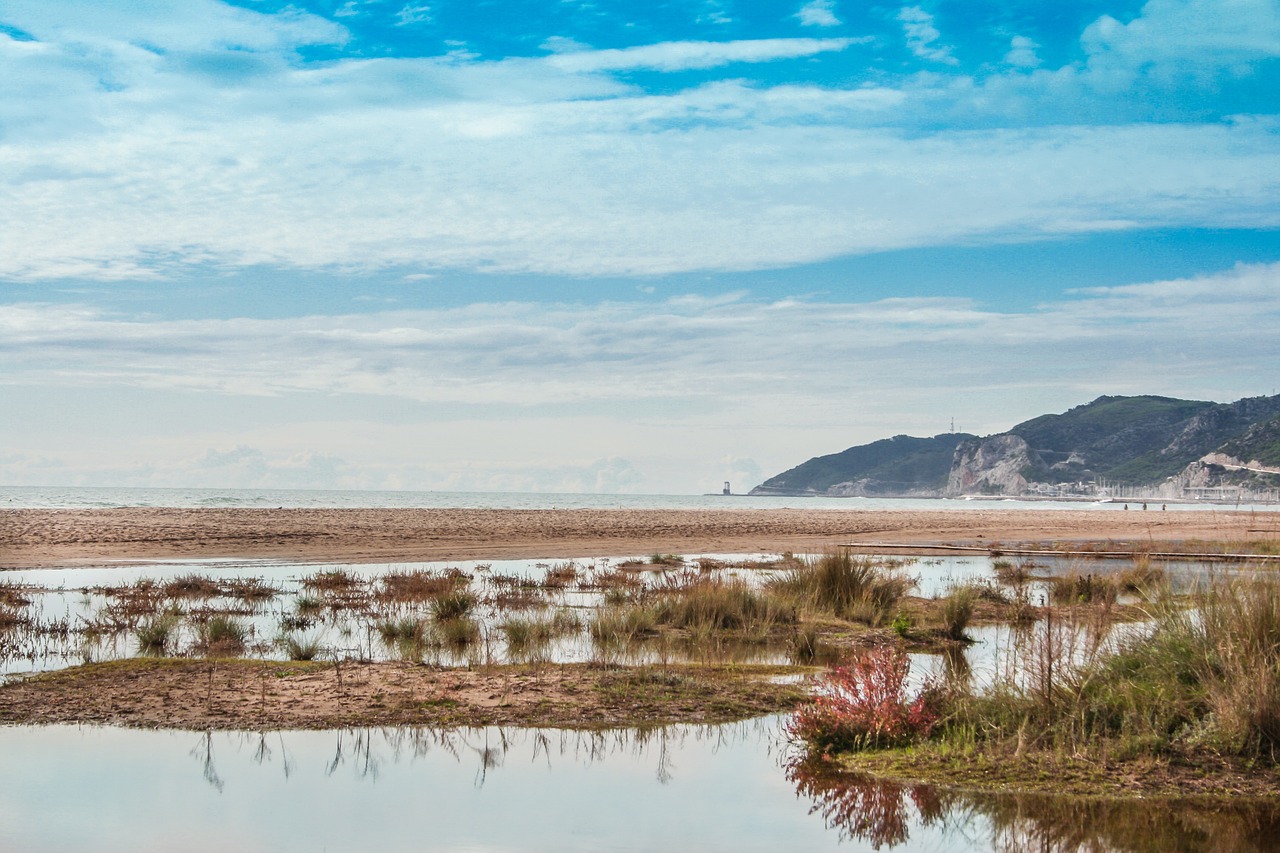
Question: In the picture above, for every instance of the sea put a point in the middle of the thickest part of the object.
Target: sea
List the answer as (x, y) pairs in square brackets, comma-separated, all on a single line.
[(93, 497)]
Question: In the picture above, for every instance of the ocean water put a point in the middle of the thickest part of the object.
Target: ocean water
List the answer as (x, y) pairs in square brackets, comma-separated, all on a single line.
[(86, 497)]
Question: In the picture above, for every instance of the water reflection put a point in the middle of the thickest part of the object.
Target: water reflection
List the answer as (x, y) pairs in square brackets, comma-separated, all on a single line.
[(885, 814), (733, 787)]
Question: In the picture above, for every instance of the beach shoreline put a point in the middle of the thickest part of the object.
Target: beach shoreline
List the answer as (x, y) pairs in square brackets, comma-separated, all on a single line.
[(37, 538)]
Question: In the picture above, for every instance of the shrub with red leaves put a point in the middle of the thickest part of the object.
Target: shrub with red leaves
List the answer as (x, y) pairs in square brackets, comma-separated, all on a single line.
[(863, 704)]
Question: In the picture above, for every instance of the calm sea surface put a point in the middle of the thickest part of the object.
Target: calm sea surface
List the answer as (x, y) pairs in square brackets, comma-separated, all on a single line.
[(81, 497)]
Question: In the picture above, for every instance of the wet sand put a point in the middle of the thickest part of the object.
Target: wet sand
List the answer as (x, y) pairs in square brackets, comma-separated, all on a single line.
[(40, 538)]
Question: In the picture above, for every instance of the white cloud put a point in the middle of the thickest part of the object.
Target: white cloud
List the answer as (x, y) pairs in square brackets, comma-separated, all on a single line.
[(686, 55), (1022, 53), (922, 35), (1189, 33), (818, 13), (120, 162), (414, 13)]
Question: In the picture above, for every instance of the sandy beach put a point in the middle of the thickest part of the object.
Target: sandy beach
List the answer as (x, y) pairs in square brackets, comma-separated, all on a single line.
[(39, 538)]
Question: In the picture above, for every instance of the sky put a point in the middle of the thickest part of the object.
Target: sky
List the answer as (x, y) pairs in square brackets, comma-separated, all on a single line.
[(606, 246)]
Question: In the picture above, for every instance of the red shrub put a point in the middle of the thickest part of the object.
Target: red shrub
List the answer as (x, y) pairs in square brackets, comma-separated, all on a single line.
[(863, 704)]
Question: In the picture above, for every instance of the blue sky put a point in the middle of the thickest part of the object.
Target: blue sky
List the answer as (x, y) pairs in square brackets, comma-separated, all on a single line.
[(614, 246)]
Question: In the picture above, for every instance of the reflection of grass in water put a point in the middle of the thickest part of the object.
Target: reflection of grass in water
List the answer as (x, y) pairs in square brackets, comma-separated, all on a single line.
[(884, 813)]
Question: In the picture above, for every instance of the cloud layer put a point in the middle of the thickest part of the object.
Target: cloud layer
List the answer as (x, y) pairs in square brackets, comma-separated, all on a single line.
[(148, 136), (526, 395)]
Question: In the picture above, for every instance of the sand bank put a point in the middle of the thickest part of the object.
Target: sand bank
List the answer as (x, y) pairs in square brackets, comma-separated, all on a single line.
[(35, 538)]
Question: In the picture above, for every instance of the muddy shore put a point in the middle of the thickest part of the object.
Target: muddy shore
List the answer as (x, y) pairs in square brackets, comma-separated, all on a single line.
[(37, 538)]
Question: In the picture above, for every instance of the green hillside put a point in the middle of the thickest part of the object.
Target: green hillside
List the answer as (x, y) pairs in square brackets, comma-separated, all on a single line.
[(892, 465)]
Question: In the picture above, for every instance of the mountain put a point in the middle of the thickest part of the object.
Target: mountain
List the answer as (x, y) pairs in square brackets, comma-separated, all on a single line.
[(1127, 442), (901, 465)]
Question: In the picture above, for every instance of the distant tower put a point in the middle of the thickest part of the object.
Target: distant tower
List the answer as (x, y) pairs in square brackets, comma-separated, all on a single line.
[(726, 488), (953, 424)]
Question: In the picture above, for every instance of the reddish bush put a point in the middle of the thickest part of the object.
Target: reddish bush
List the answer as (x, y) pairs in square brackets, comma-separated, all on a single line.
[(863, 704)]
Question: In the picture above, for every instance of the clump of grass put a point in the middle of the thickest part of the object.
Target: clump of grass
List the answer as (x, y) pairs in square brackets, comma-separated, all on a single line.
[(848, 586), (1077, 588), (298, 647), (458, 632), (622, 625), (560, 575), (1142, 576), (421, 585), (409, 628), (457, 604), (804, 644), (155, 634), (192, 586), (13, 595), (671, 560), (1011, 573), (332, 580), (721, 605), (222, 636), (957, 610), (308, 604), (249, 589)]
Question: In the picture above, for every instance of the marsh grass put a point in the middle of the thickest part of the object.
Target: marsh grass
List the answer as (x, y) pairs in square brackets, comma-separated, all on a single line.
[(847, 586), (957, 610), (1076, 587), (221, 636), (249, 589), (615, 626), (1010, 573), (420, 585), (298, 647), (456, 604), (560, 575), (1203, 674), (194, 586), (721, 605), (155, 634), (409, 628), (13, 595), (457, 632)]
